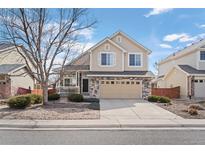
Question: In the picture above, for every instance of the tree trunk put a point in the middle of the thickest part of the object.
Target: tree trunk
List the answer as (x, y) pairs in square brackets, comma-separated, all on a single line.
[(45, 93)]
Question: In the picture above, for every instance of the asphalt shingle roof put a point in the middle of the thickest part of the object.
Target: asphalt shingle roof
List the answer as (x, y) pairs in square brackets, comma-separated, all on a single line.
[(5, 45), (121, 73), (76, 67), (6, 68), (191, 70)]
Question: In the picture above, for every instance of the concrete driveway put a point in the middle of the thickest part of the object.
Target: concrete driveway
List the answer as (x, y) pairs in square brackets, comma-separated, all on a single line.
[(124, 109)]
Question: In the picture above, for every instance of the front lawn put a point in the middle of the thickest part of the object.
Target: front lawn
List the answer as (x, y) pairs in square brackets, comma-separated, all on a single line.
[(184, 108), (54, 110)]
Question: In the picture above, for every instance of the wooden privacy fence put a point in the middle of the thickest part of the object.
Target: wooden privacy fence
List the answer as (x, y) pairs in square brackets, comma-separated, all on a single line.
[(168, 92)]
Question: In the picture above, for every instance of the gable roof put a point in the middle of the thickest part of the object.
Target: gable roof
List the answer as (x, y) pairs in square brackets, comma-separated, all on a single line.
[(109, 40), (8, 68), (115, 44), (131, 39), (186, 50)]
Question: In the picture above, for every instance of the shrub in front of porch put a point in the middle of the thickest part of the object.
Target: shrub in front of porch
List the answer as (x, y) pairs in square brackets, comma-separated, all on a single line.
[(164, 100), (53, 97), (153, 98), (75, 97), (19, 102)]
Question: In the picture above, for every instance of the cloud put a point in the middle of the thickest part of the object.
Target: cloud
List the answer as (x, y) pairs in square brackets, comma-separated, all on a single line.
[(167, 46), (86, 33), (183, 37), (157, 11), (201, 26), (174, 37)]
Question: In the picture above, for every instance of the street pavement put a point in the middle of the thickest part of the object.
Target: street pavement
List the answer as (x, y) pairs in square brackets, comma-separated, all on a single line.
[(104, 137)]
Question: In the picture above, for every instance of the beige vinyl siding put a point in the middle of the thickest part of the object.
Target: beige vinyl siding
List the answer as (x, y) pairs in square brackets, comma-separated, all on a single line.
[(132, 47), (95, 56), (11, 57), (177, 78)]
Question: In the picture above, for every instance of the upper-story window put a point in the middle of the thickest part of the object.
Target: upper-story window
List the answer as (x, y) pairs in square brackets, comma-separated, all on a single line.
[(135, 60), (107, 59), (202, 55)]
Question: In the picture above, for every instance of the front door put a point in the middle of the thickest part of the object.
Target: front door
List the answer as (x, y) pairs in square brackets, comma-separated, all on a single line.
[(85, 85)]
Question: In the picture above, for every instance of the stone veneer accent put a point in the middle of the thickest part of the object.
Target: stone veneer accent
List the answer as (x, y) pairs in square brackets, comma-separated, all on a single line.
[(5, 88), (94, 85)]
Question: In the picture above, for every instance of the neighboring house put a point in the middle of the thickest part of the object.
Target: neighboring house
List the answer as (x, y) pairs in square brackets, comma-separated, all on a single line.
[(13, 71), (186, 69), (116, 67)]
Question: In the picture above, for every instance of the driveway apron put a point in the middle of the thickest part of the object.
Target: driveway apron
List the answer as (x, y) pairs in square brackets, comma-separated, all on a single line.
[(125, 109)]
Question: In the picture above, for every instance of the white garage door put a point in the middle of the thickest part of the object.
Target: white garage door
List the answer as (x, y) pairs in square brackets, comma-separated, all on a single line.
[(199, 88), (120, 89)]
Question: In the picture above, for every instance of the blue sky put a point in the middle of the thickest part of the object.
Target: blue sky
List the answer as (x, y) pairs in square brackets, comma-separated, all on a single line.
[(163, 31)]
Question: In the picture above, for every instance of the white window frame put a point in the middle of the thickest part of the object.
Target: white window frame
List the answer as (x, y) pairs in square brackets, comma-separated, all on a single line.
[(141, 59), (114, 58)]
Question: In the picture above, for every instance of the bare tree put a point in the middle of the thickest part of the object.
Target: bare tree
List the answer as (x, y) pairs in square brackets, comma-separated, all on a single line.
[(42, 37)]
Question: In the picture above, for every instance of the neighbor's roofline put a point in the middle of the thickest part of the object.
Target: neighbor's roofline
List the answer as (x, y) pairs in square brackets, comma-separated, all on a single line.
[(183, 52)]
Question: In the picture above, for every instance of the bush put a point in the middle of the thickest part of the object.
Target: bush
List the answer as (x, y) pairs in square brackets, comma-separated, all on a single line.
[(75, 98), (192, 111), (53, 97), (153, 98), (164, 100), (35, 99), (19, 102), (195, 106)]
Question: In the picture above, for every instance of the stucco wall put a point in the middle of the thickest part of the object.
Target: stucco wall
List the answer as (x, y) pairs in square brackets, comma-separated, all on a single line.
[(177, 78), (132, 47), (95, 55), (190, 59), (24, 81)]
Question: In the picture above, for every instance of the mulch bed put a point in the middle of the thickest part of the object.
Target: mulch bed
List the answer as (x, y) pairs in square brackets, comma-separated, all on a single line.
[(179, 107), (54, 111)]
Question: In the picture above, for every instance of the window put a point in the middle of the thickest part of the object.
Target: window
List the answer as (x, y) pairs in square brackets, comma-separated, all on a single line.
[(66, 82), (128, 82), (135, 60), (107, 59), (202, 55), (102, 82), (112, 82)]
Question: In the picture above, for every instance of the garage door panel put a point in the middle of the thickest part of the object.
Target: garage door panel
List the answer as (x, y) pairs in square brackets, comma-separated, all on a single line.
[(199, 88), (120, 89)]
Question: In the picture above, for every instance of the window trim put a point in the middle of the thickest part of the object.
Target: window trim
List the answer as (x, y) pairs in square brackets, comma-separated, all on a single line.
[(141, 59), (114, 58), (200, 56)]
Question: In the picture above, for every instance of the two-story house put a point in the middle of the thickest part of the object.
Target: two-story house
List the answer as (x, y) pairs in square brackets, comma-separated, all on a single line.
[(116, 67), (13, 71), (186, 69)]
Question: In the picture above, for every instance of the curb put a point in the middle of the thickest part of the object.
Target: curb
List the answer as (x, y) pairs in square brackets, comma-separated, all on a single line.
[(55, 124)]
